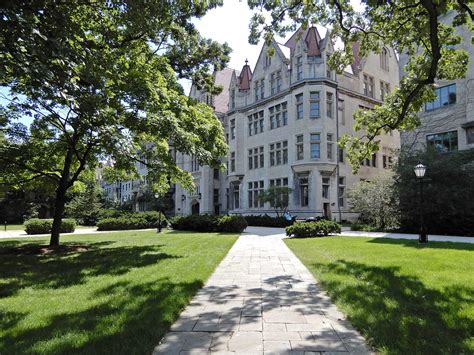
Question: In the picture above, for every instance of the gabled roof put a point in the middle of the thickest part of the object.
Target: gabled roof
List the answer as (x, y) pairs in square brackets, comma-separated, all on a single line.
[(313, 40), (222, 78)]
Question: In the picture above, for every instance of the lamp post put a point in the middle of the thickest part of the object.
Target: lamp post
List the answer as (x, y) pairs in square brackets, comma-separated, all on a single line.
[(420, 171), (158, 202)]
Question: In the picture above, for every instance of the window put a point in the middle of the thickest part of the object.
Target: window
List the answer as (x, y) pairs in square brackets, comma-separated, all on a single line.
[(194, 163), (216, 174), (299, 147), (445, 96), (232, 161), (443, 142), (340, 153), (330, 146), (384, 59), (304, 191), (279, 153), (255, 88), (299, 106), (216, 196), (384, 90), (368, 85), (283, 197), (272, 84), (299, 68), (232, 98), (232, 129), (256, 158), (342, 111), (255, 188), (268, 60), (325, 187), (278, 81), (374, 160), (329, 104), (314, 104), (236, 196), (262, 89), (470, 135), (278, 115), (341, 189), (315, 145), (255, 123)]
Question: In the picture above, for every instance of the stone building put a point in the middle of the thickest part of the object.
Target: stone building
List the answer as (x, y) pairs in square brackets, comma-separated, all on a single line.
[(282, 122), (447, 123)]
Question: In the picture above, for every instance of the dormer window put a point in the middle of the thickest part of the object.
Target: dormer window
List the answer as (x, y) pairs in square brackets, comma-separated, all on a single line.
[(268, 60), (299, 68), (384, 59)]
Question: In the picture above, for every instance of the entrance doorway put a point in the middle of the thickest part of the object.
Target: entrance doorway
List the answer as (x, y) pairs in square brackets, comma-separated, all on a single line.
[(195, 208), (327, 211)]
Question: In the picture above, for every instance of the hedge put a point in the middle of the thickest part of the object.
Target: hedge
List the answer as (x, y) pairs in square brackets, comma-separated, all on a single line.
[(313, 229), (44, 226), (127, 221), (267, 221), (209, 223)]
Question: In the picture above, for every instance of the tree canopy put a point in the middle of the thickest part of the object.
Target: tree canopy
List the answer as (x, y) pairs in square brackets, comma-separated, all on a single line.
[(409, 26), (99, 80)]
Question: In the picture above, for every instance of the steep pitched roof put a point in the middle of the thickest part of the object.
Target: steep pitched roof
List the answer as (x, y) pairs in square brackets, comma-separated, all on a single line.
[(245, 77), (313, 40), (222, 78)]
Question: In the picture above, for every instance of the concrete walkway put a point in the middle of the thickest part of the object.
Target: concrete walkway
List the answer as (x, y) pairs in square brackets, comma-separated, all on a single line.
[(261, 299)]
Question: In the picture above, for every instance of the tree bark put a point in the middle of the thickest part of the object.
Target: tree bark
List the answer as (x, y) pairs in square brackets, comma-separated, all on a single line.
[(60, 200)]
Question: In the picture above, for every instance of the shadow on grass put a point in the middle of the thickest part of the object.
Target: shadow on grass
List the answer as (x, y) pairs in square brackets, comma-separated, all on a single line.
[(397, 312), (52, 271), (132, 320), (416, 245)]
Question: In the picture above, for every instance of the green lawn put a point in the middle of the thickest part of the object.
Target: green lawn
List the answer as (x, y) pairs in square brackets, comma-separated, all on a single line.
[(14, 227), (119, 297), (403, 297)]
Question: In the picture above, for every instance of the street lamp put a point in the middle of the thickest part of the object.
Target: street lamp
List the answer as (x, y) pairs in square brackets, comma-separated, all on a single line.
[(420, 171), (158, 201)]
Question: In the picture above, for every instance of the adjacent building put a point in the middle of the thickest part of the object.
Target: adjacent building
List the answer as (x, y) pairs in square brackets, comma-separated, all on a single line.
[(282, 122), (447, 123)]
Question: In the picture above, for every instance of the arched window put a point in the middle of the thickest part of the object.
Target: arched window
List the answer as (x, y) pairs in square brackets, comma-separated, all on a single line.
[(384, 59)]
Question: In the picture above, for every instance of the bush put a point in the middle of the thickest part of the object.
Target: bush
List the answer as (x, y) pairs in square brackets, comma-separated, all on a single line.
[(313, 229), (44, 226), (127, 221), (267, 221), (363, 227), (197, 223), (231, 224)]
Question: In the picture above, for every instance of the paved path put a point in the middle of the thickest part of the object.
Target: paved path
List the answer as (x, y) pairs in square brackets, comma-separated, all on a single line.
[(261, 299)]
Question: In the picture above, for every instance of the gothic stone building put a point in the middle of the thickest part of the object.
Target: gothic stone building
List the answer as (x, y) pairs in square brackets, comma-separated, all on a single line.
[(282, 122)]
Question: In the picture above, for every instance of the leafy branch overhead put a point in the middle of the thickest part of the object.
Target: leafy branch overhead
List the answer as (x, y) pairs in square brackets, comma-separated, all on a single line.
[(414, 27), (99, 81)]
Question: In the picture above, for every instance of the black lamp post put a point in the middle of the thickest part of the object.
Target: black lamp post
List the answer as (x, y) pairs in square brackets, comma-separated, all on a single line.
[(158, 202), (420, 171)]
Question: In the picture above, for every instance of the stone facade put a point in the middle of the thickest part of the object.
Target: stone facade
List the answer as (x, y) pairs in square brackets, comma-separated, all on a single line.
[(282, 125), (447, 123)]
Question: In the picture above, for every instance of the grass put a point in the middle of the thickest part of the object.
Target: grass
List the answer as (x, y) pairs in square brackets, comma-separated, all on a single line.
[(405, 298), (118, 297)]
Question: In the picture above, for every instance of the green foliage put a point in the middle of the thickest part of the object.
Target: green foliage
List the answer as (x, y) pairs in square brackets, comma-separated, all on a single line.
[(267, 221), (137, 220), (209, 223), (414, 28), (313, 229), (86, 205), (231, 224), (376, 201), (277, 197), (43, 226), (100, 80), (363, 227), (448, 192)]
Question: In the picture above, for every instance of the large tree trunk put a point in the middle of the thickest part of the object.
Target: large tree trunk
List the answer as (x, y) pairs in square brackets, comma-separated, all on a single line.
[(60, 200)]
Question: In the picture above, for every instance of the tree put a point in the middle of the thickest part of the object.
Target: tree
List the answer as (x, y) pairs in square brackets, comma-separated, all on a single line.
[(86, 204), (408, 26), (277, 197), (448, 191), (376, 201), (99, 80)]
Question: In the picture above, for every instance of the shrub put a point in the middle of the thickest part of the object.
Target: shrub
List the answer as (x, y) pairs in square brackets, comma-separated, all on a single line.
[(267, 221), (313, 229), (231, 224), (363, 227), (197, 223), (127, 221), (44, 226)]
